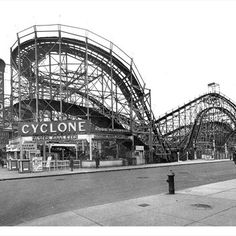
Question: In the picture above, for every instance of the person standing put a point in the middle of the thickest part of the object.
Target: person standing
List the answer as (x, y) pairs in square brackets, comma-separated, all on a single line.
[(81, 158), (71, 163), (97, 158), (234, 157), (2, 162)]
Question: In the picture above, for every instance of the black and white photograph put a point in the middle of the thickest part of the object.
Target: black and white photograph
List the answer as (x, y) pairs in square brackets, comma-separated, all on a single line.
[(117, 117)]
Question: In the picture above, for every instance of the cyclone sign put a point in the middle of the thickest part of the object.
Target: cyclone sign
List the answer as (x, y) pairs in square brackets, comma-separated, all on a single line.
[(54, 127)]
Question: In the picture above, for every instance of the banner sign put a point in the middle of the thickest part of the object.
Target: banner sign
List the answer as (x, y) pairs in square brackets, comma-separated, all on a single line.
[(2, 69), (56, 138), (110, 136), (12, 148), (139, 148), (108, 130), (37, 164), (15, 141), (54, 127)]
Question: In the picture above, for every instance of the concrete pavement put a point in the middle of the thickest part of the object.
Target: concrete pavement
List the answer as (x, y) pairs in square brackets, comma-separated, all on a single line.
[(207, 205)]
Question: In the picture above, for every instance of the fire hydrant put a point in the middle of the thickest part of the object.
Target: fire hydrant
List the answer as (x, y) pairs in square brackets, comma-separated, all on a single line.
[(171, 182)]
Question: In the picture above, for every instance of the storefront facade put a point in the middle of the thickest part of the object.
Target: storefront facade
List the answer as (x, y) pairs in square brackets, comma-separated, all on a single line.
[(79, 139)]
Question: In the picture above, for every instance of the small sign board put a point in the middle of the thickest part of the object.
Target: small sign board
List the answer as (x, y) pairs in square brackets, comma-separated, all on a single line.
[(207, 157), (25, 166), (12, 148), (29, 146), (37, 164), (139, 148), (8, 148)]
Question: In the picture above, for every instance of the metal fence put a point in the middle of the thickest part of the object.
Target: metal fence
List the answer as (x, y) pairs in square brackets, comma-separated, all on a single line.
[(56, 165), (60, 165)]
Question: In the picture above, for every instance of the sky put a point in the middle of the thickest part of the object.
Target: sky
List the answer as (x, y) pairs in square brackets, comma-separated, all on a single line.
[(178, 46)]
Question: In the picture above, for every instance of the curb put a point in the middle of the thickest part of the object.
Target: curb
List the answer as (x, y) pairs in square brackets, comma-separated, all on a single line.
[(111, 170)]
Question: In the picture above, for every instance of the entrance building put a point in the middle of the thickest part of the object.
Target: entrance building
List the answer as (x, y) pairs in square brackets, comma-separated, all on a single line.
[(77, 139)]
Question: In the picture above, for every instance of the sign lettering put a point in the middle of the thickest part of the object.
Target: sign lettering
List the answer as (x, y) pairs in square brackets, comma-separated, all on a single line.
[(29, 146), (54, 127)]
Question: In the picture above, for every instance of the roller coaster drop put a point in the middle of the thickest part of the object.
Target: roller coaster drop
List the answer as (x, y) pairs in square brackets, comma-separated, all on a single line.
[(60, 72), (203, 126)]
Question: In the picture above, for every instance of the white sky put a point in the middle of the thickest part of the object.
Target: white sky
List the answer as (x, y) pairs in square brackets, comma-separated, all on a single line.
[(178, 46)]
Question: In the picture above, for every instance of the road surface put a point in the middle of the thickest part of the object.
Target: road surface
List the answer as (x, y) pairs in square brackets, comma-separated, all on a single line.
[(26, 199)]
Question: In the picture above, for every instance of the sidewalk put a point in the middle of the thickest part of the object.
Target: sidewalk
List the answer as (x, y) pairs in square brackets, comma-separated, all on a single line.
[(206, 205), (13, 175)]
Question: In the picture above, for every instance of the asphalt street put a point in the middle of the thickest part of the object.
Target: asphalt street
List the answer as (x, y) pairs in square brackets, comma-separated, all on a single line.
[(27, 199)]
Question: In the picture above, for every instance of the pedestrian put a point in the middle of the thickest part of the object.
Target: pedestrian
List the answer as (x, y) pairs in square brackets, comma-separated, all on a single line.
[(97, 158), (2, 163), (81, 158), (234, 158), (71, 163)]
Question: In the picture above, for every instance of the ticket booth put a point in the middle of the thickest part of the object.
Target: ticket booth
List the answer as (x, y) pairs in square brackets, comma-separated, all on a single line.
[(24, 166), (13, 154), (12, 164)]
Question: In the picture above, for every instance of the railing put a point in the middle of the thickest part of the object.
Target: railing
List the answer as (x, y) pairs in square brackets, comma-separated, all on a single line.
[(79, 34), (56, 165), (60, 165), (195, 98)]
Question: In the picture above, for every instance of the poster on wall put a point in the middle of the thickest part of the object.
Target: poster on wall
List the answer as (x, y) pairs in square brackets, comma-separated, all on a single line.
[(37, 164)]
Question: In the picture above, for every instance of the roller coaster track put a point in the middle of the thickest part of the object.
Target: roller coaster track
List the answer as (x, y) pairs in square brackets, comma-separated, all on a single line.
[(71, 109), (34, 46), (196, 127), (181, 126), (107, 112), (194, 101), (121, 74)]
